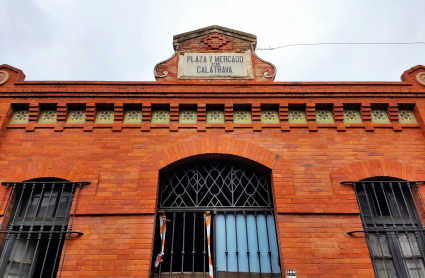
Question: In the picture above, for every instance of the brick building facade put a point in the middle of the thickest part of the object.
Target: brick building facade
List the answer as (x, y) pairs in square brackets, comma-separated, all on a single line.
[(122, 138)]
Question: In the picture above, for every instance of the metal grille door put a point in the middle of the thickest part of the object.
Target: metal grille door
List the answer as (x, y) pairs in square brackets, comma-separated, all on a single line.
[(243, 233)]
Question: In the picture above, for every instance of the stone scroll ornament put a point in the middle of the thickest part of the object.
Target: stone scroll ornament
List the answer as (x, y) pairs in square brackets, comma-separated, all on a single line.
[(4, 76), (164, 73), (207, 217), (420, 77), (162, 228), (266, 74)]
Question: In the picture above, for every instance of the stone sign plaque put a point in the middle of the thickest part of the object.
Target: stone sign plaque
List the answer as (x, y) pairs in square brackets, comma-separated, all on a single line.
[(215, 66)]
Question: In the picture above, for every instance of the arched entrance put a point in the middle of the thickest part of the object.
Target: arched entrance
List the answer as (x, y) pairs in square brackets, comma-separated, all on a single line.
[(238, 200)]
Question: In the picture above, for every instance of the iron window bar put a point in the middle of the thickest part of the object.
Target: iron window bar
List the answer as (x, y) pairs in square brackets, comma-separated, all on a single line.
[(42, 208), (386, 230), (402, 182), (218, 209), (42, 232), (392, 225), (215, 183)]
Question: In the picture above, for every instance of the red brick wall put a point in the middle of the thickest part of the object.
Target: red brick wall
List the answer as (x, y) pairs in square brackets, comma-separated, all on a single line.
[(306, 168), (318, 246), (307, 162), (112, 246)]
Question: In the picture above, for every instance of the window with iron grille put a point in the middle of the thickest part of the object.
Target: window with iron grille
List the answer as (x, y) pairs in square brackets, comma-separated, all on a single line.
[(392, 225), (242, 233), (37, 221)]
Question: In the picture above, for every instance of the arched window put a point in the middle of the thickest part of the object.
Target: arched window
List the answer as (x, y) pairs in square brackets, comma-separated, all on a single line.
[(35, 226), (392, 225), (242, 231)]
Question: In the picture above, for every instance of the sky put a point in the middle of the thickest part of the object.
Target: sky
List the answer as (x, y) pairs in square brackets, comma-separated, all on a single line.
[(123, 40)]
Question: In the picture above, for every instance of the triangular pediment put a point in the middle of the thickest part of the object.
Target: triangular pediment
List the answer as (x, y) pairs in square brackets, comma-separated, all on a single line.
[(178, 39)]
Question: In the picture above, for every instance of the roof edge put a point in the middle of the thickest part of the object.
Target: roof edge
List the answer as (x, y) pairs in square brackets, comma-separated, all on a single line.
[(21, 75)]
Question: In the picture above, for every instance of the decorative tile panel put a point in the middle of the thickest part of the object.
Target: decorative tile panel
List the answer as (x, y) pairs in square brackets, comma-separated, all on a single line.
[(133, 117), (352, 117), (379, 116), (76, 117), (242, 117), (48, 117), (161, 117), (215, 117), (269, 117), (20, 117), (105, 117), (296, 117), (324, 117), (406, 117), (188, 117)]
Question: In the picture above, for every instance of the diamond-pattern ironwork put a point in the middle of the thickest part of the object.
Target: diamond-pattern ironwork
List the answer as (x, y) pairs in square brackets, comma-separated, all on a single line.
[(215, 183)]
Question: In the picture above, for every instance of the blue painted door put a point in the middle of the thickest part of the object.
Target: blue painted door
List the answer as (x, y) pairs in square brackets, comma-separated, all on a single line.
[(248, 239)]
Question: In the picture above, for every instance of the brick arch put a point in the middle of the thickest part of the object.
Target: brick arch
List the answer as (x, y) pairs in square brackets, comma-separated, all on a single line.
[(281, 172), (216, 147), (47, 168), (378, 167)]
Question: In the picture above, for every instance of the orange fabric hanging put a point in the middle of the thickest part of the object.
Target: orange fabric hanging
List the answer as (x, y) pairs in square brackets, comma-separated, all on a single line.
[(208, 224), (162, 229)]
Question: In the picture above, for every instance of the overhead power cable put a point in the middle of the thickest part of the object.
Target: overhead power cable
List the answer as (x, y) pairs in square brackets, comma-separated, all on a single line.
[(324, 43)]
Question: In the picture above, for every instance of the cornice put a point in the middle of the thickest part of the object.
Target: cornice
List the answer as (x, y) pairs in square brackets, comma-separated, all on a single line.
[(213, 83), (216, 89)]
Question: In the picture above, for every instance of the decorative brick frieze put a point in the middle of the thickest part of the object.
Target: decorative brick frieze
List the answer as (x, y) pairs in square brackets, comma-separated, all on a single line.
[(313, 124)]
